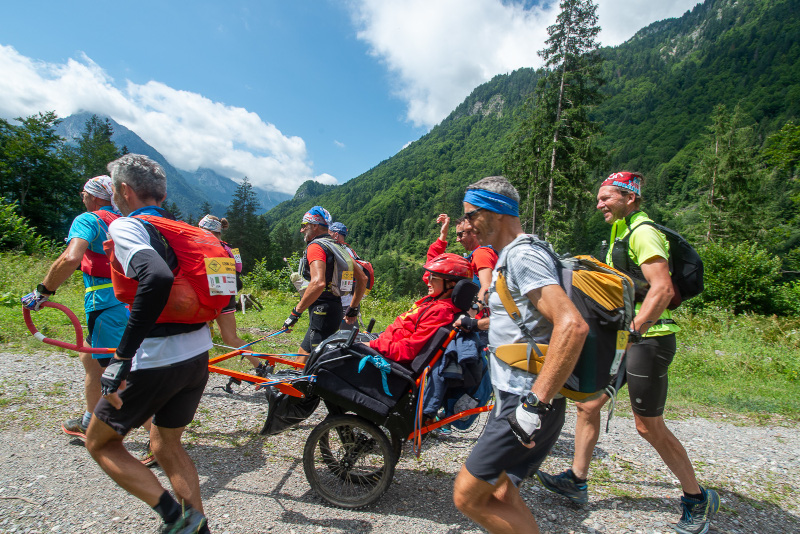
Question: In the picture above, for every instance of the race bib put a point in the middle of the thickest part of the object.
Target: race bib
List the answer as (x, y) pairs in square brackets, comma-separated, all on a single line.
[(347, 282), (622, 343), (236, 256), (221, 273)]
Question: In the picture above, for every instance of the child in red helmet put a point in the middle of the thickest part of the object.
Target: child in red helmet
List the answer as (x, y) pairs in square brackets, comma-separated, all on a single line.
[(406, 336)]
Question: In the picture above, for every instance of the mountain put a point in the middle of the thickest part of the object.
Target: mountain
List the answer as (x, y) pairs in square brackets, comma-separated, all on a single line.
[(662, 86), (189, 190)]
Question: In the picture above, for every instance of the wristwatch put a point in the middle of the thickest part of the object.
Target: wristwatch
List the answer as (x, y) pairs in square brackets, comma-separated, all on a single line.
[(44, 291), (532, 400)]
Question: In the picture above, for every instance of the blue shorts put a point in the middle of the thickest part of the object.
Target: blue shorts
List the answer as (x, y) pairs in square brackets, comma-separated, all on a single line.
[(106, 327)]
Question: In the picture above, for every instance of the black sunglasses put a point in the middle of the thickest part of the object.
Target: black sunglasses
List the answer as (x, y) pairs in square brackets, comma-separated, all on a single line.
[(461, 234), (470, 214)]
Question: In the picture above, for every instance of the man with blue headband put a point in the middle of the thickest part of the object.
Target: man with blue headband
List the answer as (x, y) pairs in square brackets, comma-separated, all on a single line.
[(644, 256), (323, 278), (526, 419)]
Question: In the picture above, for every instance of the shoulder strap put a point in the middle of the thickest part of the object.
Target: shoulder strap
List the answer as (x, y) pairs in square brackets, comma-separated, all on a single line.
[(501, 286)]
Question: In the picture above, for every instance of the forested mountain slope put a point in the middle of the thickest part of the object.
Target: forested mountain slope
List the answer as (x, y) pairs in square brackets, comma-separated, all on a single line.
[(662, 86)]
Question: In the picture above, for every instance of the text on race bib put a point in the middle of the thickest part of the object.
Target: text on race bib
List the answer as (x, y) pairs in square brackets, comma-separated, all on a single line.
[(221, 273), (346, 285)]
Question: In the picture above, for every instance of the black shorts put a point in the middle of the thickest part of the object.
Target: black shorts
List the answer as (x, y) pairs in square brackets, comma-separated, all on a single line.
[(498, 450), (324, 320), (231, 306), (170, 394), (646, 374)]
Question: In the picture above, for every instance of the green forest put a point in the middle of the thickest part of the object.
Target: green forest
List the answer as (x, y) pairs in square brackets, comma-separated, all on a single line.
[(705, 106)]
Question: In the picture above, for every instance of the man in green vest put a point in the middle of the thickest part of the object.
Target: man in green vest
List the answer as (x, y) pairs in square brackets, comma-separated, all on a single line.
[(646, 260)]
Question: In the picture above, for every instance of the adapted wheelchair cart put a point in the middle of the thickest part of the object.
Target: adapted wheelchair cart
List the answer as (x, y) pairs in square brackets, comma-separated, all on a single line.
[(349, 458)]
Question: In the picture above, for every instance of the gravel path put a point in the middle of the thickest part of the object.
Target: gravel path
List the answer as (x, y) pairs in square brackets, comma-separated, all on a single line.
[(48, 483)]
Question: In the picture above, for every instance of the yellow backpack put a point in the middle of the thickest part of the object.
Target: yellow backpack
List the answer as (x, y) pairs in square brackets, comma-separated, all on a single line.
[(604, 297)]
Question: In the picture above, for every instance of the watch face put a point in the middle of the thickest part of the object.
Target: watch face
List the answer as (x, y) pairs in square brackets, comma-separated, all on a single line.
[(532, 399)]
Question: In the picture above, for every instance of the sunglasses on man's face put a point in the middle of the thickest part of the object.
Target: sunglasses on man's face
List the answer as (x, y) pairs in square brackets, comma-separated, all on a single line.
[(463, 233), (303, 226), (471, 214)]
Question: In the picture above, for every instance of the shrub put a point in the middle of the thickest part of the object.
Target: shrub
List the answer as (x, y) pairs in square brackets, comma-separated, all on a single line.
[(17, 235), (741, 278), (262, 278)]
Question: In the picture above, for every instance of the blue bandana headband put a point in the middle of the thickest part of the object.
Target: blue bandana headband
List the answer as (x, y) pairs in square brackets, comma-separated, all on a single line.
[(494, 202), (318, 215)]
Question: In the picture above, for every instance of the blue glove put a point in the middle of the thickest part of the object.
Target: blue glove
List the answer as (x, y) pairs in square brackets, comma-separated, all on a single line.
[(382, 366), (33, 300)]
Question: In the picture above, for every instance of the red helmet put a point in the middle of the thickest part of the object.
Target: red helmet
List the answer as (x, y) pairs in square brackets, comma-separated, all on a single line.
[(450, 267)]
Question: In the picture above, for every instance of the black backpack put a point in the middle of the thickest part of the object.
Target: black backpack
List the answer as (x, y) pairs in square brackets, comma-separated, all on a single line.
[(685, 265)]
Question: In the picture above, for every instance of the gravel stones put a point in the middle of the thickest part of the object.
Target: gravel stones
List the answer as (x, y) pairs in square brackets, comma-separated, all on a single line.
[(251, 483)]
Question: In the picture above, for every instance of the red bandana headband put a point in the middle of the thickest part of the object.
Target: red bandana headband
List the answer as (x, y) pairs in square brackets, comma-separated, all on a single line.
[(626, 180)]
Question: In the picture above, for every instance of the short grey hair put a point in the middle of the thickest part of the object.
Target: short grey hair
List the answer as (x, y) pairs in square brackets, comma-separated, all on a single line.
[(496, 184), (146, 177)]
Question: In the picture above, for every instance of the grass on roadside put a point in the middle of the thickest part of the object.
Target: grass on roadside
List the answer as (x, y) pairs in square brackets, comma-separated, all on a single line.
[(746, 364)]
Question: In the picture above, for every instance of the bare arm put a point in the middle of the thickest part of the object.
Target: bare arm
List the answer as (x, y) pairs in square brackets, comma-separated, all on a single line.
[(485, 277), (569, 334), (65, 264), (444, 220), (656, 272)]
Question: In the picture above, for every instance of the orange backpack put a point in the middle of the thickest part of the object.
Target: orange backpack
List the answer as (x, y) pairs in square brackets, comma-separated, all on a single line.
[(205, 278), (94, 263)]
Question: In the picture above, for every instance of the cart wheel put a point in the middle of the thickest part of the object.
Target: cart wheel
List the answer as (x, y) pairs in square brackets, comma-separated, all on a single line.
[(348, 461)]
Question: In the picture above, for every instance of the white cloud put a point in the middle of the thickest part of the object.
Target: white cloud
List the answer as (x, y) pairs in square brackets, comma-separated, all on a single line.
[(620, 19), (190, 130), (438, 52), (339, 144)]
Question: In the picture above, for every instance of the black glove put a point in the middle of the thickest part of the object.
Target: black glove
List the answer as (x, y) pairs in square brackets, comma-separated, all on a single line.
[(526, 420), (351, 312), (469, 324), (114, 374), (292, 319)]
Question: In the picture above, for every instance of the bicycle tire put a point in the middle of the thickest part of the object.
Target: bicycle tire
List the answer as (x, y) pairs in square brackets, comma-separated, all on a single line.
[(348, 461)]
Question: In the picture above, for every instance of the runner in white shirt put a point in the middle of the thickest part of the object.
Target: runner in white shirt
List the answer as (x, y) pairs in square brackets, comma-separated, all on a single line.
[(165, 364)]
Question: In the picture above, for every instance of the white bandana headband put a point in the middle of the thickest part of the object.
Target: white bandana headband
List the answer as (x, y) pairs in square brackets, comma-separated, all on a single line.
[(100, 187), (212, 225)]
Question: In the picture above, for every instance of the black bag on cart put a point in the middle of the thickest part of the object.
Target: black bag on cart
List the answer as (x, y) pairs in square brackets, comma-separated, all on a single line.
[(285, 410), (339, 379)]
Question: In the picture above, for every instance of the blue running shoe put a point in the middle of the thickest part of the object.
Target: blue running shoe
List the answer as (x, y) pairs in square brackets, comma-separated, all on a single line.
[(189, 522), (697, 515), (564, 484)]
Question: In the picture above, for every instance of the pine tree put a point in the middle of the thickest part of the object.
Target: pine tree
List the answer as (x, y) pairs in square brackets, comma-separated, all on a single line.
[(37, 173), (248, 231), (730, 170), (205, 209), (95, 148), (173, 208), (553, 154)]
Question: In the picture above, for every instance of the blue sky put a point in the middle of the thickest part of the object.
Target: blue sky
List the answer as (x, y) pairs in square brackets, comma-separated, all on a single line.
[(279, 91)]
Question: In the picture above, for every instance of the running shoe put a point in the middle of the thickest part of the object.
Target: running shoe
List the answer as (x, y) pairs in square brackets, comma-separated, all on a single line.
[(697, 515), (74, 427), (148, 459), (564, 484), (189, 522)]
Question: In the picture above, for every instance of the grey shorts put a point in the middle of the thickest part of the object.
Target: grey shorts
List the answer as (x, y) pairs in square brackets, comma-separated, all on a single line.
[(498, 450)]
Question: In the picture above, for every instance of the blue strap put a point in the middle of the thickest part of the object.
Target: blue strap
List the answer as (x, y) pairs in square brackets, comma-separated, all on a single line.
[(382, 366)]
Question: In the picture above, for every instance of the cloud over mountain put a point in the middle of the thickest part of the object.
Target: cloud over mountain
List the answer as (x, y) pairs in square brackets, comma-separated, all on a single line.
[(438, 52), (190, 130)]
